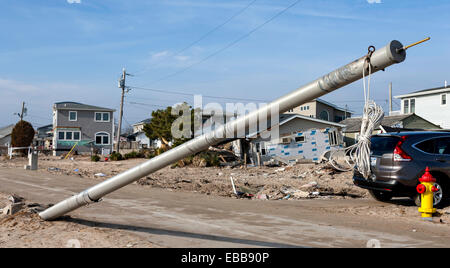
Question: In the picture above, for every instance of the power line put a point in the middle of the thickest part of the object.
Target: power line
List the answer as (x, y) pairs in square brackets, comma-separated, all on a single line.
[(146, 104), (138, 98), (204, 36), (190, 94), (230, 44), (358, 101)]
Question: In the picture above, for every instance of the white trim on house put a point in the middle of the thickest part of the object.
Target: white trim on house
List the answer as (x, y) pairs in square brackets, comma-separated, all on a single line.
[(406, 111), (102, 144), (311, 119), (423, 93), (76, 116), (102, 113), (442, 99), (411, 105), (65, 135)]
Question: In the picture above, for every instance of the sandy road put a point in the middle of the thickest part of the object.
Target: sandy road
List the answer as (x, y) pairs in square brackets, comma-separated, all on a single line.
[(170, 219)]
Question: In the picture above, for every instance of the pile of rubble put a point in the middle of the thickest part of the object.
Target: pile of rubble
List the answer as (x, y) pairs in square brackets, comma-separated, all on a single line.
[(14, 204), (274, 183)]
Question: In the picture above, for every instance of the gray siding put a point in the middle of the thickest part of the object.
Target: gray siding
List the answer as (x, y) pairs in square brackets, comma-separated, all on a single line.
[(87, 126)]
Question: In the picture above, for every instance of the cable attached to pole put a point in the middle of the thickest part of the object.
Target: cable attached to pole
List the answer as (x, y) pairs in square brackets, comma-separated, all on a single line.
[(357, 156)]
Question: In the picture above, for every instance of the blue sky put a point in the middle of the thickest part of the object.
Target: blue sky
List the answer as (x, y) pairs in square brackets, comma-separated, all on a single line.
[(53, 50)]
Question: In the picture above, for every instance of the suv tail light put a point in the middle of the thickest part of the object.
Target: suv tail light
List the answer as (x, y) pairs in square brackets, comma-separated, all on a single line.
[(399, 154)]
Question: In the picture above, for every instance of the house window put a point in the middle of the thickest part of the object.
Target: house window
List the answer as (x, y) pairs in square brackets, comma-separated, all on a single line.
[(73, 116), (444, 99), (300, 139), (102, 138), (324, 115), (102, 117), (69, 135), (406, 106), (413, 105), (338, 118), (333, 137)]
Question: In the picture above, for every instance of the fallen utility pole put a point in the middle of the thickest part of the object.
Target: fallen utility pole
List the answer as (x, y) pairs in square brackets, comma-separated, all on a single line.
[(380, 59)]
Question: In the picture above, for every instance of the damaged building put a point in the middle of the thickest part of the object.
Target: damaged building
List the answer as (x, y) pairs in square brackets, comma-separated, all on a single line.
[(301, 138)]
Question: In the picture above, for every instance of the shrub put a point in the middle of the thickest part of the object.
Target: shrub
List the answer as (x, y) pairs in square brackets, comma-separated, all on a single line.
[(115, 156), (134, 154), (95, 158), (22, 134)]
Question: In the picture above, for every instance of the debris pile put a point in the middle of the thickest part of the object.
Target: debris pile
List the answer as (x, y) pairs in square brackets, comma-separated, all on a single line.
[(266, 183), (303, 180), (15, 204)]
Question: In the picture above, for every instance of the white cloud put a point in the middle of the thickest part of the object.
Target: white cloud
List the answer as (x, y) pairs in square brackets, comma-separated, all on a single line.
[(160, 55), (374, 1), (74, 1), (182, 58), (7, 85)]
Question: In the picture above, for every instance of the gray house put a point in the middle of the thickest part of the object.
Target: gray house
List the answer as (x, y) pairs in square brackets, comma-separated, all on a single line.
[(86, 126), (5, 135)]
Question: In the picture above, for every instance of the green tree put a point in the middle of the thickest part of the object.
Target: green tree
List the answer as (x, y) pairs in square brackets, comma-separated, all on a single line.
[(160, 127), (22, 134)]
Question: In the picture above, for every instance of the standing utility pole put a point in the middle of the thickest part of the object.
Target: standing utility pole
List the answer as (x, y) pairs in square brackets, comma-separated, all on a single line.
[(390, 98), (21, 114), (123, 86), (23, 109)]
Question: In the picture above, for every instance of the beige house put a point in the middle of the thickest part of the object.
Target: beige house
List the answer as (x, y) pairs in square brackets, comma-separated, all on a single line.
[(322, 110)]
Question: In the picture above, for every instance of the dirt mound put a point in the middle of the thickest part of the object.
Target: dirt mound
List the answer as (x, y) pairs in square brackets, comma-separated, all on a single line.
[(26, 229)]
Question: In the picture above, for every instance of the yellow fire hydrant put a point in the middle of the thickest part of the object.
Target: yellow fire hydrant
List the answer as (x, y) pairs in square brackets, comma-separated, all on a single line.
[(427, 190)]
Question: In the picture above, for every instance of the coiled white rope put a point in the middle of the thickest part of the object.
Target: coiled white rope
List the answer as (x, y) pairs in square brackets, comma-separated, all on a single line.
[(357, 156)]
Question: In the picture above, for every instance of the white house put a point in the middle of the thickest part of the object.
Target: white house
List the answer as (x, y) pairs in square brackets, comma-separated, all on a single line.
[(431, 104), (138, 127), (301, 138)]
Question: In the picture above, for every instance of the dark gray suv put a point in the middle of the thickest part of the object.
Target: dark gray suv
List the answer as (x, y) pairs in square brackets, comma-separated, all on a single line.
[(398, 160)]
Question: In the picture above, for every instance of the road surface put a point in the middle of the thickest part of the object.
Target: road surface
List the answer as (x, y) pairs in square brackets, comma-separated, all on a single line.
[(178, 219)]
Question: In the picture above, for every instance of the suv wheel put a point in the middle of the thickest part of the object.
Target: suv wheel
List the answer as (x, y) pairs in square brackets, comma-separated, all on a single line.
[(439, 197), (380, 196)]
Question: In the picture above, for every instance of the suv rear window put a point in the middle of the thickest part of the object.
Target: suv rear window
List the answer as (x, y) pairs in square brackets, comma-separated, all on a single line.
[(381, 145)]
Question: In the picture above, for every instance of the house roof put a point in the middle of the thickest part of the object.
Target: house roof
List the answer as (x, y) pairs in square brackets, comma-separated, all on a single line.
[(285, 118), (50, 126), (334, 106), (354, 124), (424, 92), (67, 105), (6, 131), (145, 121)]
